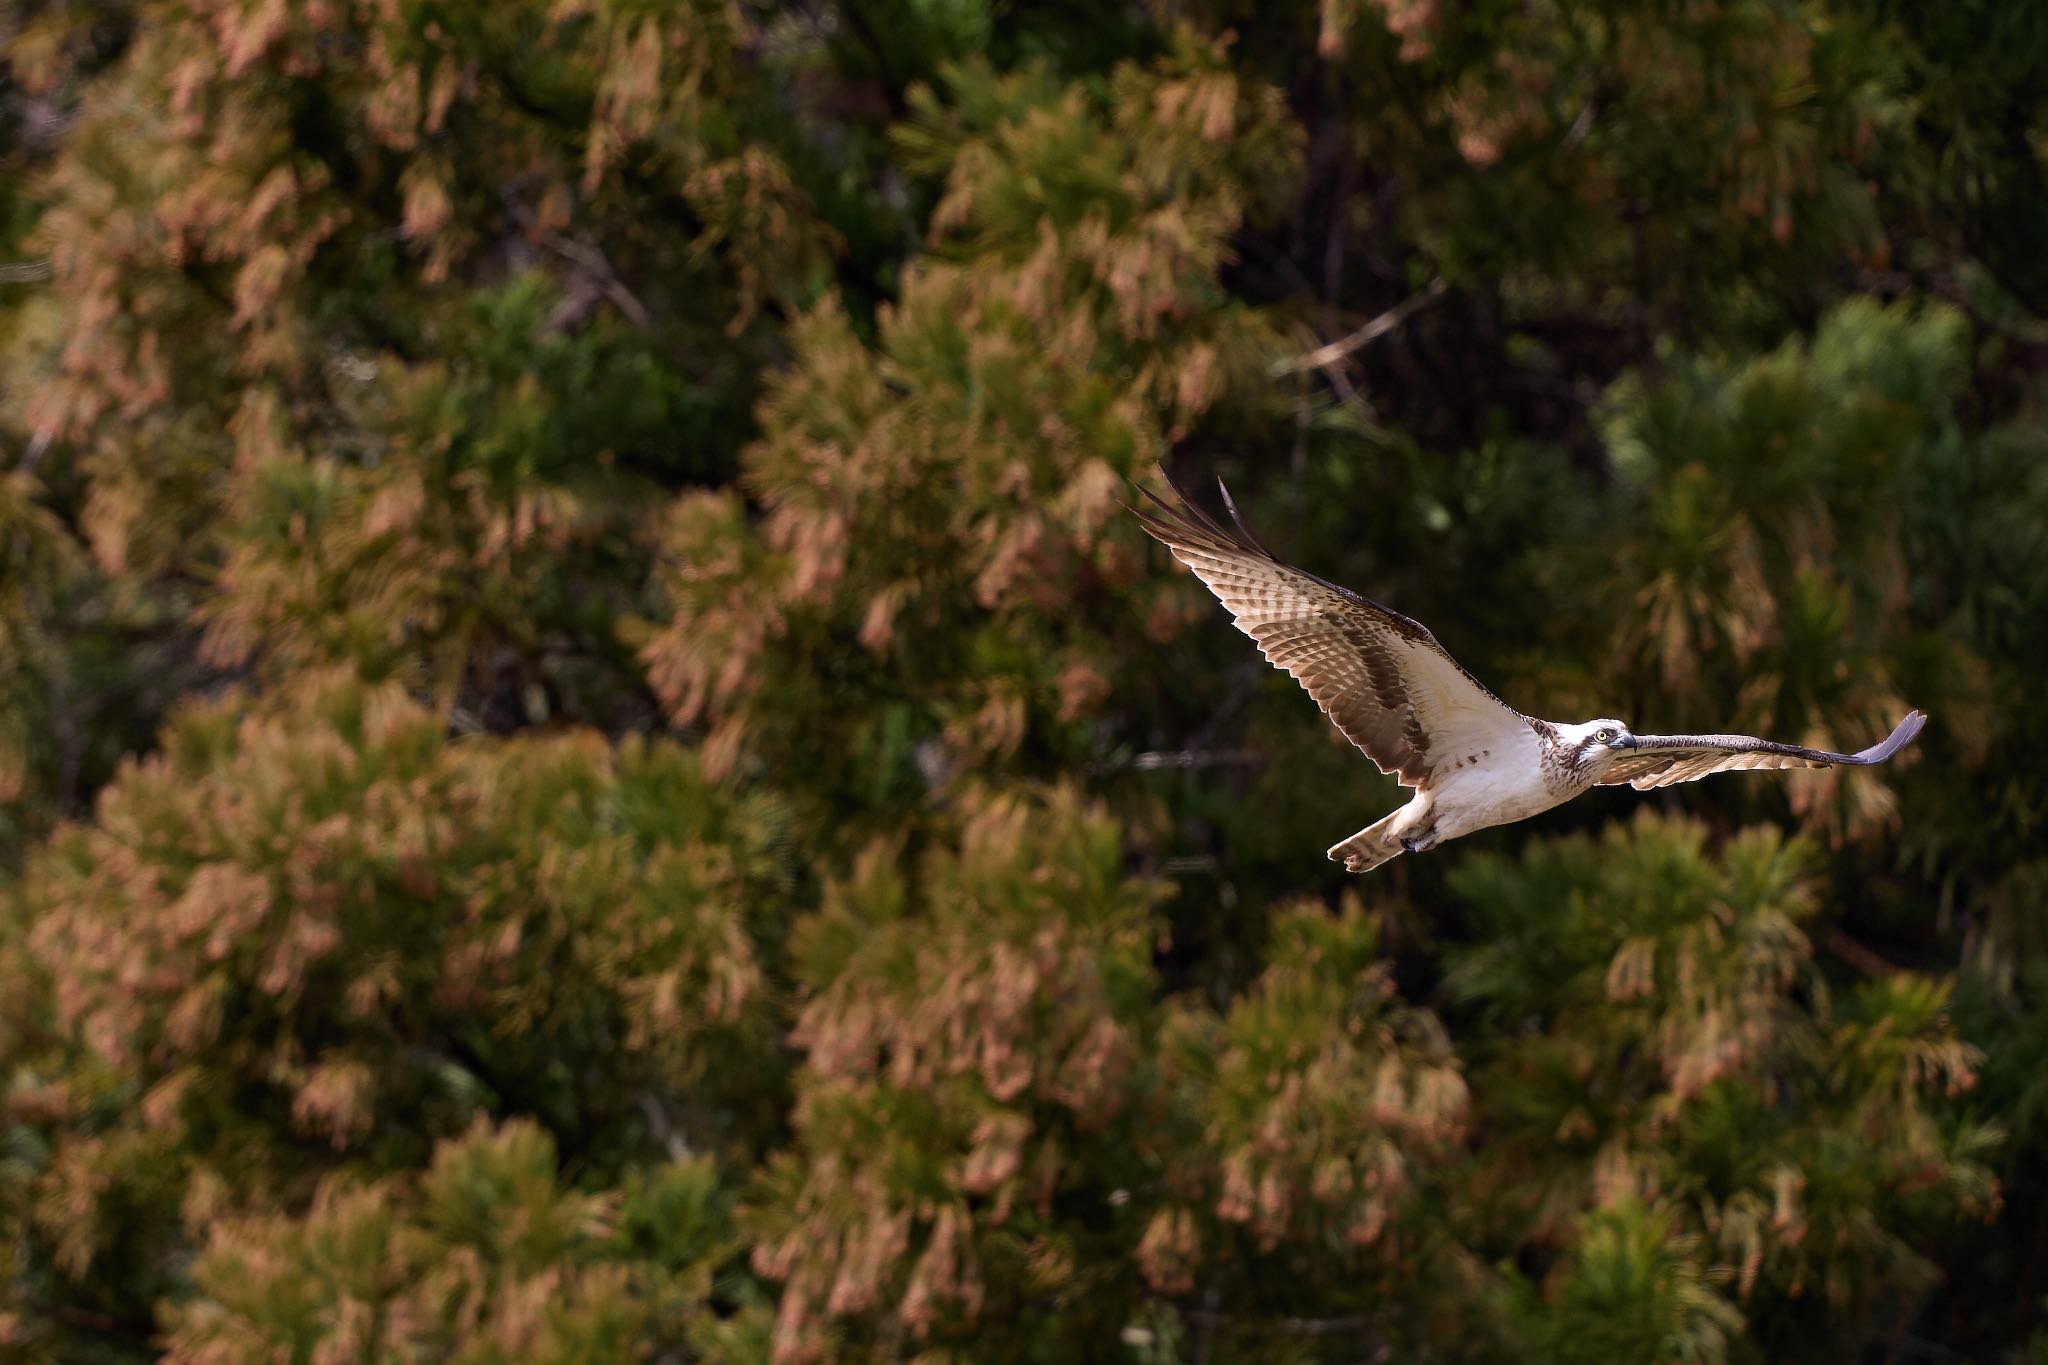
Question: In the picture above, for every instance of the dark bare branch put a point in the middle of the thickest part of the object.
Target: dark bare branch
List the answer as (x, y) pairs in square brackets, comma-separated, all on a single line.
[(1324, 356)]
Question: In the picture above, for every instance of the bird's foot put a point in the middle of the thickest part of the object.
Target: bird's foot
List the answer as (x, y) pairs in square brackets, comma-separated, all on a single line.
[(1412, 846), (1423, 845)]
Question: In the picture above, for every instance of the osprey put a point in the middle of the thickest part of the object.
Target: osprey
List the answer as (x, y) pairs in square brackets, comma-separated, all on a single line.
[(1385, 682)]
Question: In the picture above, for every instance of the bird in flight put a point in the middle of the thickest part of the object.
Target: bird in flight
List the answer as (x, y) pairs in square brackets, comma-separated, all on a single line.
[(1392, 690)]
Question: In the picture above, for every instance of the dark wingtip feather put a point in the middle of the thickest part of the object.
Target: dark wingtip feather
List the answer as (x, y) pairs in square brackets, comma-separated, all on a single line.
[(1903, 734), (1169, 523), (1189, 524), (1230, 505), (1197, 514)]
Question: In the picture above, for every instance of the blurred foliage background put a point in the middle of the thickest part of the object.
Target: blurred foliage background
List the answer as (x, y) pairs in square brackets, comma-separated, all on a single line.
[(591, 768)]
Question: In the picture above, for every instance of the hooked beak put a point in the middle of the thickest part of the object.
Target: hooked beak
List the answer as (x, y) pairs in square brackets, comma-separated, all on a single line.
[(1622, 742)]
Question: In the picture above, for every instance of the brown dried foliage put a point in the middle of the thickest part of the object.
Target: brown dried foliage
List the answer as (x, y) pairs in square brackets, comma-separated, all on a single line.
[(966, 1028), (304, 916), (975, 458)]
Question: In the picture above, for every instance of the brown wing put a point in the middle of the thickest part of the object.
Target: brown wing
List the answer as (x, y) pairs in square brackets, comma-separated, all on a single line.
[(1383, 679), (1660, 760)]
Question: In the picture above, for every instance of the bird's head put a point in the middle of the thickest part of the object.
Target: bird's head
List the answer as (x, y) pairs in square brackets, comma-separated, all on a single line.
[(1595, 743)]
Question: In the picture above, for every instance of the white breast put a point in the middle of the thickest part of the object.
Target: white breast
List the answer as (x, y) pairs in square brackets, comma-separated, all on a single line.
[(1507, 786)]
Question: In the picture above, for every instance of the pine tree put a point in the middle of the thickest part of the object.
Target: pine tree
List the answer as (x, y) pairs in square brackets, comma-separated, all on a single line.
[(592, 767), (314, 936)]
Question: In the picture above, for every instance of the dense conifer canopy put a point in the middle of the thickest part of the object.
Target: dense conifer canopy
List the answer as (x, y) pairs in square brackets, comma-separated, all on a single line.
[(592, 768)]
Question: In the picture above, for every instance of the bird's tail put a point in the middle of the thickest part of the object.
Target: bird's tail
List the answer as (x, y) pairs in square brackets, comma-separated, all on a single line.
[(1371, 846)]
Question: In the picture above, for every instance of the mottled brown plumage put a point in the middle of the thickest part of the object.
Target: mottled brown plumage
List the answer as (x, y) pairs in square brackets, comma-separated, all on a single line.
[(1382, 678), (1661, 760), (1395, 692)]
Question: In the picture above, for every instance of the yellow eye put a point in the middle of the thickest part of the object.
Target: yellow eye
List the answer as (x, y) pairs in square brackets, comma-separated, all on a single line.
[(1604, 735)]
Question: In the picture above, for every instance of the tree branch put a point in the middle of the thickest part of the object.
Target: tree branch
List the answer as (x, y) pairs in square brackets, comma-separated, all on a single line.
[(1863, 959), (1323, 357), (1299, 1327)]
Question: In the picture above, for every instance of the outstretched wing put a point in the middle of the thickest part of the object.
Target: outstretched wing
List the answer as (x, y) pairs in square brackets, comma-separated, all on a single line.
[(1383, 680), (1660, 760)]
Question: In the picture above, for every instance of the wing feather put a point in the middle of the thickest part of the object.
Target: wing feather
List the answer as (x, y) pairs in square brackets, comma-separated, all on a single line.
[(1661, 760), (1382, 678)]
